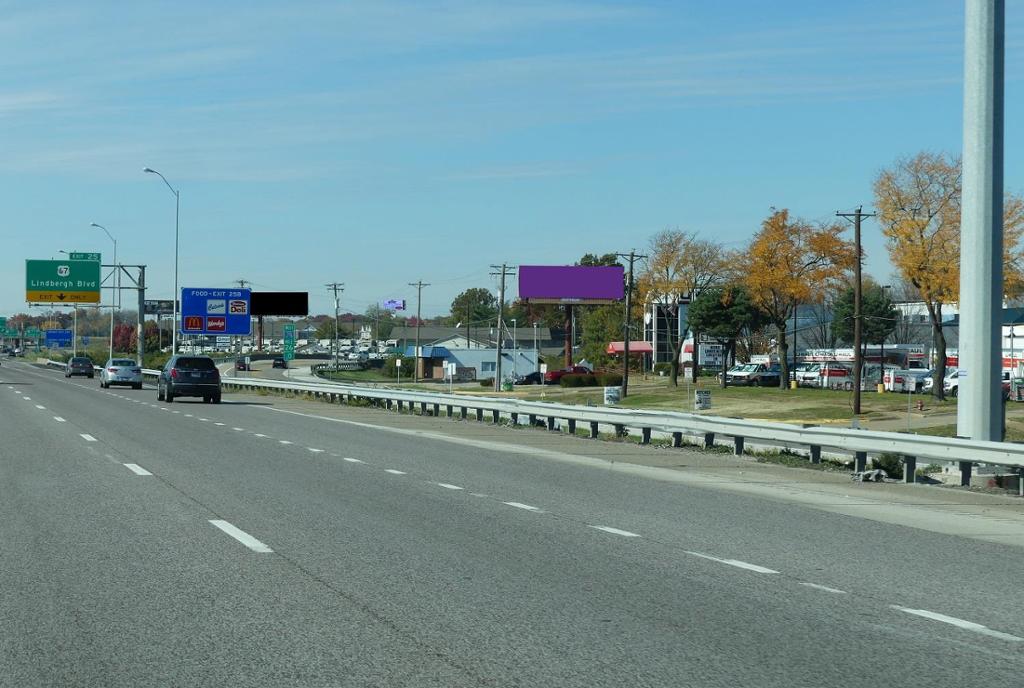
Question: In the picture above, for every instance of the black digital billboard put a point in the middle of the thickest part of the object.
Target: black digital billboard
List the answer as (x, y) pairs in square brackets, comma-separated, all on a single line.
[(279, 303)]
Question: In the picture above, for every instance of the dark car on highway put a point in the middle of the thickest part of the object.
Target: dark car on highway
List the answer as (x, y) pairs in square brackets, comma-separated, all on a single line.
[(189, 376), (79, 365), (241, 364), (280, 363), (530, 379)]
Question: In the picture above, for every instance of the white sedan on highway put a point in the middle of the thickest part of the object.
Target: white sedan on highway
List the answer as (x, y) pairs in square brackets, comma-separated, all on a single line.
[(121, 371)]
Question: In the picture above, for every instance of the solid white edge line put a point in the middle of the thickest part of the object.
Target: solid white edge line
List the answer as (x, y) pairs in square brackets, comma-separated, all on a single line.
[(137, 469), (959, 623), (87, 437), (242, 536), (449, 486), (392, 471), (520, 505), (616, 531), (825, 588), (734, 562)]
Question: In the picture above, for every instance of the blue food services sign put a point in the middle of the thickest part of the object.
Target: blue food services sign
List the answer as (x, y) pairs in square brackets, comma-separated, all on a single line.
[(57, 338), (215, 311)]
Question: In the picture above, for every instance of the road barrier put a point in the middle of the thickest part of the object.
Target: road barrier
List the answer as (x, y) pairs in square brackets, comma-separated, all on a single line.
[(811, 439)]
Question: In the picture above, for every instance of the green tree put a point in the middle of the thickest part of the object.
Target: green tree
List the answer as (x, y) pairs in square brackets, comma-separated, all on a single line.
[(724, 313), (325, 329), (476, 305), (878, 315)]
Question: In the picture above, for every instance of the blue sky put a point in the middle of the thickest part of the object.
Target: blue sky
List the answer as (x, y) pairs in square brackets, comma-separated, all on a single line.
[(377, 143)]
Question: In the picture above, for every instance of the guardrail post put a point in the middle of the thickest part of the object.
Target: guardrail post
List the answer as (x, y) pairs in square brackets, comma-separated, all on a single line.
[(737, 445), (387, 404), (815, 453), (620, 430), (533, 420), (515, 418), (909, 469), (551, 423), (462, 412), (495, 416), (594, 434), (423, 408), (572, 426), (965, 473), (709, 440), (480, 415), (677, 439), (860, 461), (645, 435)]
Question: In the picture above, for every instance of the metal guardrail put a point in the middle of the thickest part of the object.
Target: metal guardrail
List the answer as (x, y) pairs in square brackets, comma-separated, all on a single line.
[(812, 439)]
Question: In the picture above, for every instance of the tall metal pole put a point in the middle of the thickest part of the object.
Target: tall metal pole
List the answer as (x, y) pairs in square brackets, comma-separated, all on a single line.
[(115, 280), (176, 295), (979, 409), (140, 338), (536, 351), (501, 308), (858, 358), (416, 358), (335, 287)]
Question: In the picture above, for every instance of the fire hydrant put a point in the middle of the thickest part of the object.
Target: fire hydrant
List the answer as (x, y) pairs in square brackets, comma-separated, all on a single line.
[(920, 404)]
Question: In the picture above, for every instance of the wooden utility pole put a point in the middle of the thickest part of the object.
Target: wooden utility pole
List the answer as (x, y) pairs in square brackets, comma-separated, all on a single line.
[(632, 256), (858, 358), (416, 352), (336, 287), (503, 271)]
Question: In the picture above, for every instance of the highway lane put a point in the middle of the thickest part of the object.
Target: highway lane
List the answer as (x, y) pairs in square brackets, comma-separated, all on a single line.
[(509, 578)]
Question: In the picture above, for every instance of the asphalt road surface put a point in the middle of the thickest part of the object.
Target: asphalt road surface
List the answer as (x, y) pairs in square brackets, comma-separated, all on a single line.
[(243, 544)]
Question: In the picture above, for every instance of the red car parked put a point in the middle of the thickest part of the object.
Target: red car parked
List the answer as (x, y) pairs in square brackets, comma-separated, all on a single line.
[(552, 377)]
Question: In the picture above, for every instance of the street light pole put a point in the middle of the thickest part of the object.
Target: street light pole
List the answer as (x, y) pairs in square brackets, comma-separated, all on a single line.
[(514, 348), (174, 296), (113, 290)]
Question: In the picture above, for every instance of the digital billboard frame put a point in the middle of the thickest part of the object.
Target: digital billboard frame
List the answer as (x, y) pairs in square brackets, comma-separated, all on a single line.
[(571, 284)]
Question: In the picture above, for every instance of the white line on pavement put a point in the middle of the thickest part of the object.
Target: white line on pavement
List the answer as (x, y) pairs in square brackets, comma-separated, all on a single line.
[(315, 450), (959, 623), (205, 420), (59, 419), (285, 441), (238, 429), (392, 471), (137, 469), (449, 486), (188, 415), (351, 460), (520, 505), (735, 562), (87, 437), (615, 531), (824, 587), (258, 434), (40, 407), (240, 535), (221, 424), (27, 398)]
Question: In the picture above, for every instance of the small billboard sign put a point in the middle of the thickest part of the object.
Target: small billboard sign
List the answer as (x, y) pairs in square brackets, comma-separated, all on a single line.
[(215, 311)]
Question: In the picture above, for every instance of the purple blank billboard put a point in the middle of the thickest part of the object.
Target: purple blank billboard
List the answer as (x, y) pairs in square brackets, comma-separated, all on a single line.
[(570, 283)]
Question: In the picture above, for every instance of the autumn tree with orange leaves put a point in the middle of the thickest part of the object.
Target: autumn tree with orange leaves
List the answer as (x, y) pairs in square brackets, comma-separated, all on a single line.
[(918, 206), (792, 262)]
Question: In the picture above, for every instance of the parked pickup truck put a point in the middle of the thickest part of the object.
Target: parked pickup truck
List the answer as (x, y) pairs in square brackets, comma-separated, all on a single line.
[(552, 377), (754, 374)]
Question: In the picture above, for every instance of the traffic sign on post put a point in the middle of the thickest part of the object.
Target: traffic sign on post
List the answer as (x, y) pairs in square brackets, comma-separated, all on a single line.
[(215, 311), (289, 342), (58, 338), (62, 281)]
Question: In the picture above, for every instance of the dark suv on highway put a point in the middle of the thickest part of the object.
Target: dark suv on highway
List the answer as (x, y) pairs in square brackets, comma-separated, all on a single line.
[(79, 365), (189, 376)]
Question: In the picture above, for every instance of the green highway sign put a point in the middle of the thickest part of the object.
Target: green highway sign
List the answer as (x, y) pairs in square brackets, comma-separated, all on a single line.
[(289, 342), (62, 281), (3, 323), (11, 332), (85, 256), (33, 333)]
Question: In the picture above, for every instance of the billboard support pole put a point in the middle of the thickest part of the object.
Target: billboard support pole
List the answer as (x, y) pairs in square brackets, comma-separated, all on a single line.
[(140, 338), (632, 255)]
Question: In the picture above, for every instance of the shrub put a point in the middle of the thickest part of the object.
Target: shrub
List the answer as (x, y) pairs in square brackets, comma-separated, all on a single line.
[(487, 382), (891, 463), (609, 379), (662, 368), (578, 380)]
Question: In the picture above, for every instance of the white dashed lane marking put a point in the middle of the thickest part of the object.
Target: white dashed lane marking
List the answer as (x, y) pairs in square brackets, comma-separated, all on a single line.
[(59, 419), (40, 407), (285, 441), (242, 536), (137, 469), (315, 450), (238, 429), (735, 562), (959, 623), (825, 588), (449, 486), (615, 531), (87, 437), (351, 460), (520, 505), (392, 471)]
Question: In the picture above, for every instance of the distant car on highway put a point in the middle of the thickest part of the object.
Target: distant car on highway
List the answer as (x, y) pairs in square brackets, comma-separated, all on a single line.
[(241, 364), (189, 376), (279, 363), (79, 365), (121, 371)]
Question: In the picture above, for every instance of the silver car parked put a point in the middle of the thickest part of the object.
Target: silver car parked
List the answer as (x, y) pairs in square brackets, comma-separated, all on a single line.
[(121, 371)]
